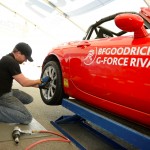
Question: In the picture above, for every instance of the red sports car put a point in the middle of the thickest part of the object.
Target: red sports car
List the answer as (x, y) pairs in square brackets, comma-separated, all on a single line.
[(107, 69)]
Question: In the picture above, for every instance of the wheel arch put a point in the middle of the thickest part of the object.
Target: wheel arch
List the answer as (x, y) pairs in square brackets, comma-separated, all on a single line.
[(50, 58), (53, 57), (60, 60)]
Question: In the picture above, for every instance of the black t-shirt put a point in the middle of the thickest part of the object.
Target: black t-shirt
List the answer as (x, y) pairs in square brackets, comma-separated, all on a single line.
[(8, 68)]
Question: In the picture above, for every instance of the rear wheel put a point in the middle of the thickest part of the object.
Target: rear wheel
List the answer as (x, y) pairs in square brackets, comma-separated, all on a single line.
[(54, 94)]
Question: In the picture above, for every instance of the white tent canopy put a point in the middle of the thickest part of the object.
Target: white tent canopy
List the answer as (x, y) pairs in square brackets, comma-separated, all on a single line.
[(46, 23)]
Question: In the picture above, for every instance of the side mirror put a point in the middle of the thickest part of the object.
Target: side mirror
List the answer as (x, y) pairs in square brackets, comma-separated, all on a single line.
[(131, 23)]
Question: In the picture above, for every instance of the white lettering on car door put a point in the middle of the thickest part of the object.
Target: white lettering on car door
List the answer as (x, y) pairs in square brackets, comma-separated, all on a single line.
[(121, 56)]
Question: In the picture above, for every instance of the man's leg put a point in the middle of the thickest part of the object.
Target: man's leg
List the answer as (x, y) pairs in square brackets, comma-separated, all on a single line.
[(22, 96), (13, 111)]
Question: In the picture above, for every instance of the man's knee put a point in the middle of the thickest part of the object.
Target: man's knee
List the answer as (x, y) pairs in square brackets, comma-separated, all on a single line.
[(27, 120)]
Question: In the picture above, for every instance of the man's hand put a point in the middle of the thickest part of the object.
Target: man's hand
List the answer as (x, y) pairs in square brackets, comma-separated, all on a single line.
[(45, 83)]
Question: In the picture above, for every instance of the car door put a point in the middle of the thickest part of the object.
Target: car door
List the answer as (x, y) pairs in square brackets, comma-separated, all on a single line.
[(84, 70), (115, 69)]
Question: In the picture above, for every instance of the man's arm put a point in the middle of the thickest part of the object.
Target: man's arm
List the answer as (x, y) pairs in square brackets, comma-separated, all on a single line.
[(25, 82)]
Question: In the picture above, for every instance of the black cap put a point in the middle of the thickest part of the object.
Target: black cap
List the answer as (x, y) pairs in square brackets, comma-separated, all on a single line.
[(25, 49)]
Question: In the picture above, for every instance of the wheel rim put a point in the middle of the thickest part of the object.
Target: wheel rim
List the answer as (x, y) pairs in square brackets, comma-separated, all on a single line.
[(51, 72)]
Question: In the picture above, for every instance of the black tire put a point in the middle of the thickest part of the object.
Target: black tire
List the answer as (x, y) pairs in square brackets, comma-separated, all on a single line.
[(53, 95)]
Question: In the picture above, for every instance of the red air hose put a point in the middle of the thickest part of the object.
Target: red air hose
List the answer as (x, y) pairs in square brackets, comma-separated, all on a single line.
[(62, 139)]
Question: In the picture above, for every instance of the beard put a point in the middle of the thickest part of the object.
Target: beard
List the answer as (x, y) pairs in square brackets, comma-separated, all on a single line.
[(20, 62)]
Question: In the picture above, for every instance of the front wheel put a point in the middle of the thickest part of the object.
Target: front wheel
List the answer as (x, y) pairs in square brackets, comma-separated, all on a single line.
[(54, 94)]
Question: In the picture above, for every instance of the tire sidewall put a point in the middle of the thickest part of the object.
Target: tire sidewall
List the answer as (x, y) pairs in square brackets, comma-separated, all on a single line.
[(56, 99)]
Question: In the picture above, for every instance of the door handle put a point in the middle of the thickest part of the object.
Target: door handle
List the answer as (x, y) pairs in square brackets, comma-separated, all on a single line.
[(82, 44)]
